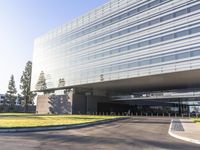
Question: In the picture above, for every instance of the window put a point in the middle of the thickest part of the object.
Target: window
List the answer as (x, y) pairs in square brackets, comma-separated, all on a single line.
[(142, 8), (134, 11), (114, 68), (132, 29), (124, 16), (90, 43), (168, 37), (99, 26), (146, 24), (133, 46), (156, 60), (115, 19), (195, 53), (92, 29), (97, 71), (167, 17), (116, 50), (162, 1), (124, 66), (194, 8), (84, 32), (156, 40), (115, 35), (155, 21), (145, 43), (106, 70), (106, 37), (123, 49), (144, 62), (168, 58), (154, 3), (98, 55), (195, 30), (182, 33), (124, 32), (133, 64), (107, 22), (90, 57), (182, 55), (180, 13), (2, 97), (107, 53), (99, 40)]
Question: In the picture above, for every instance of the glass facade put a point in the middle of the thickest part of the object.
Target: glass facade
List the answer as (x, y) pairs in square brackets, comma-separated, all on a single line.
[(122, 39)]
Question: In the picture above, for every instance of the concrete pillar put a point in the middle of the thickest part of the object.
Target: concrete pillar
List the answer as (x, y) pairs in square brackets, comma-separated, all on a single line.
[(42, 104)]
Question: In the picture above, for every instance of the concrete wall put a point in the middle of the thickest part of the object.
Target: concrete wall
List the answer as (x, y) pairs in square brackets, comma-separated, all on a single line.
[(59, 104), (53, 104), (70, 104), (42, 104)]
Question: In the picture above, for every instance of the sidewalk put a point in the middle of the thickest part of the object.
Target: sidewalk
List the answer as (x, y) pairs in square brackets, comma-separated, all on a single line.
[(185, 129)]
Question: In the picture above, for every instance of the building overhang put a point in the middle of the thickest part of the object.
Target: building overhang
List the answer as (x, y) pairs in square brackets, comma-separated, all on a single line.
[(167, 81), (176, 80)]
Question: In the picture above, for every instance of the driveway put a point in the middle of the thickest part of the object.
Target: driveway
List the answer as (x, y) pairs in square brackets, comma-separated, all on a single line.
[(132, 134)]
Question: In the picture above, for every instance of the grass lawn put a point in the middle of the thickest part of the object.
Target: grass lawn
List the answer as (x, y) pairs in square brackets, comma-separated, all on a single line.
[(13, 120), (197, 120)]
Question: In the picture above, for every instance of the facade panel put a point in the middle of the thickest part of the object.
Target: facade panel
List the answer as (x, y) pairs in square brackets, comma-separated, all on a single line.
[(120, 40)]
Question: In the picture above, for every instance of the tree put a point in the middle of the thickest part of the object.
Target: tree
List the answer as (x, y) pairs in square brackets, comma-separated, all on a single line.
[(19, 100), (25, 85), (41, 84), (11, 93)]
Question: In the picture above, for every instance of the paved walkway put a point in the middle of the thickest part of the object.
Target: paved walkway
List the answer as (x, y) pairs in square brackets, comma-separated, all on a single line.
[(185, 129)]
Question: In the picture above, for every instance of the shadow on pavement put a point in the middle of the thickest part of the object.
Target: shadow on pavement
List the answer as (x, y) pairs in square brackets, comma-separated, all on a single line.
[(124, 133)]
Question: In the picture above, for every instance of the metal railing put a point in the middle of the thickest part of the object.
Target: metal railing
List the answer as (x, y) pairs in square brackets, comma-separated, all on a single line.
[(145, 114)]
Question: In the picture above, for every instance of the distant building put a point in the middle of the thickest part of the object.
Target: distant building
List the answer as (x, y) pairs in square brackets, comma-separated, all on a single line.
[(2, 98)]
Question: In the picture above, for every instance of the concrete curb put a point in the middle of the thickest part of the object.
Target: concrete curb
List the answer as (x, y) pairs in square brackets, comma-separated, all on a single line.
[(63, 127), (181, 137)]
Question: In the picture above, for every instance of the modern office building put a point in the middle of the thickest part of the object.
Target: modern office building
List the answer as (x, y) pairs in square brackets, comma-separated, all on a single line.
[(121, 48)]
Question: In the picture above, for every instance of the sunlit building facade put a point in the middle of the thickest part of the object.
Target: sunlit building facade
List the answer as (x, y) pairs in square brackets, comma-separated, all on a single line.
[(121, 40)]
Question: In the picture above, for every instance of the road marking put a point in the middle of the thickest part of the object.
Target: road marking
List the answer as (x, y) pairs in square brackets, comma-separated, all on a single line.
[(170, 132)]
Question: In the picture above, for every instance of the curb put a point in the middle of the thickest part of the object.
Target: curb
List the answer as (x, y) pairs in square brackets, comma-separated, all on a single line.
[(63, 127), (181, 137)]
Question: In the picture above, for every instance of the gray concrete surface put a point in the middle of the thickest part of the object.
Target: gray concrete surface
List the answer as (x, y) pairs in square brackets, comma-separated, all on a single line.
[(190, 132), (132, 134), (176, 125)]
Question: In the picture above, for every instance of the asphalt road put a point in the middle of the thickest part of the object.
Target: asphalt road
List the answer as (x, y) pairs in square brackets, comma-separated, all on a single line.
[(131, 134)]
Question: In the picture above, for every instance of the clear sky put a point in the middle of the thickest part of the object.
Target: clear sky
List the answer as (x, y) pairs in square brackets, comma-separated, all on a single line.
[(21, 21)]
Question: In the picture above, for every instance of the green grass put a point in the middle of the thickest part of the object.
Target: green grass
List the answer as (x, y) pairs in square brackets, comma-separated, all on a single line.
[(196, 120), (20, 120)]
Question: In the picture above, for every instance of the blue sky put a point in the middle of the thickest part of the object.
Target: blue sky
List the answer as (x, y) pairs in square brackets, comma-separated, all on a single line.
[(21, 21)]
